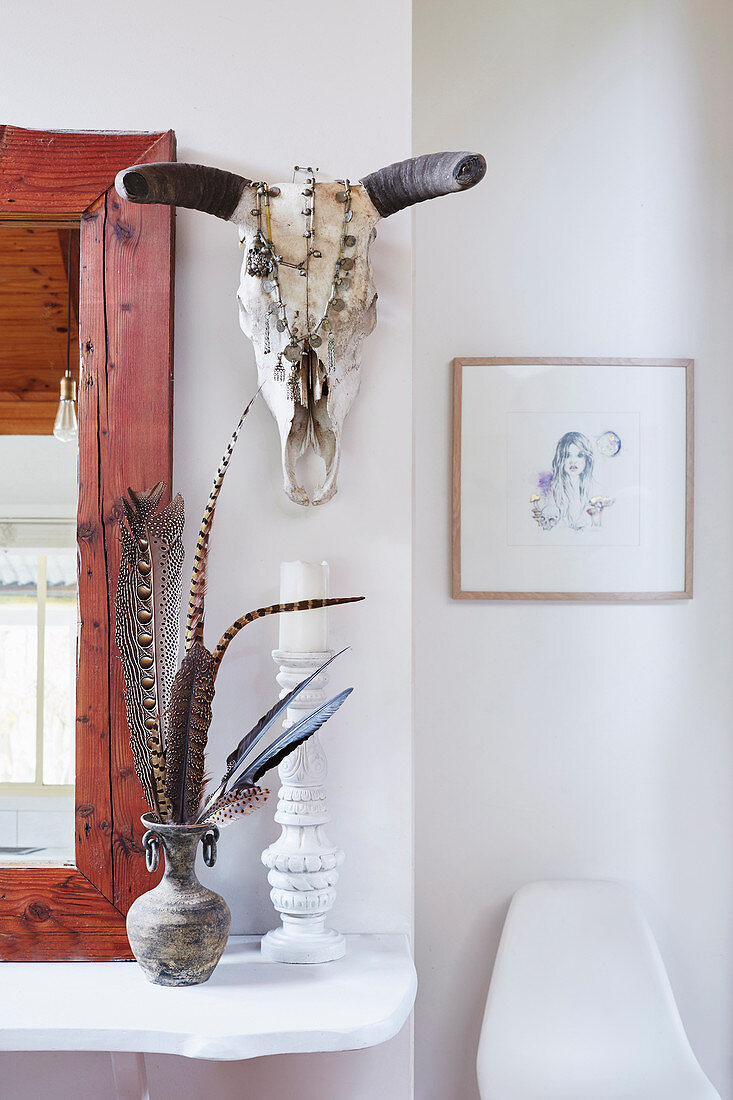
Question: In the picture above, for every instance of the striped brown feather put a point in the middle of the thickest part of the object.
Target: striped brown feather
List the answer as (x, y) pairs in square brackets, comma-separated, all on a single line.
[(189, 718), (195, 614), (273, 609)]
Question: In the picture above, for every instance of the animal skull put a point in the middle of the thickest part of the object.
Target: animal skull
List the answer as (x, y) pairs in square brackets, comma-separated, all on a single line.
[(326, 314)]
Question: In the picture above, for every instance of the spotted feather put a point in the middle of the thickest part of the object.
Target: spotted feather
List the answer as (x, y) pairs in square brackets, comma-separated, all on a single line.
[(147, 608), (237, 804)]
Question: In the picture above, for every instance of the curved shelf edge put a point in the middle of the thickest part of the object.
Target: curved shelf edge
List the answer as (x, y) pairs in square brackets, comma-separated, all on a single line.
[(249, 1007)]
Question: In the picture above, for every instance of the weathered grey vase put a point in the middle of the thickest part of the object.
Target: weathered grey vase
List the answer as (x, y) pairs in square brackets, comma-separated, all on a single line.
[(178, 930)]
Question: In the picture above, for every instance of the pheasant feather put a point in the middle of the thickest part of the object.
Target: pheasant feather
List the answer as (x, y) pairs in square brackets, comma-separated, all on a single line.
[(195, 614), (188, 729), (273, 609), (168, 712), (146, 630), (165, 530)]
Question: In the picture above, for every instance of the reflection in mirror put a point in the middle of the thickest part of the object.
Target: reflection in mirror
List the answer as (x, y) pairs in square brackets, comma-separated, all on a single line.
[(39, 281)]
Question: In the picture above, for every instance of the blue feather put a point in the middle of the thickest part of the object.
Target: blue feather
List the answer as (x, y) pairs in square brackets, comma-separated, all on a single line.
[(283, 745)]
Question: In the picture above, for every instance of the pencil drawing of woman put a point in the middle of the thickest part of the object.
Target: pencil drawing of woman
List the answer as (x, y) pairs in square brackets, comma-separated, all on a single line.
[(564, 497)]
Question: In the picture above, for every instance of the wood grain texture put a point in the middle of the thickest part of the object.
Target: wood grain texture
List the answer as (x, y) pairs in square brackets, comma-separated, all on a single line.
[(61, 897), (138, 406), (125, 436), (55, 912), (457, 593), (55, 174), (93, 793), (47, 945)]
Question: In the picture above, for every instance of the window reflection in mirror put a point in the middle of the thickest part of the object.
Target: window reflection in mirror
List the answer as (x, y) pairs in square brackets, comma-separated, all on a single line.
[(39, 281)]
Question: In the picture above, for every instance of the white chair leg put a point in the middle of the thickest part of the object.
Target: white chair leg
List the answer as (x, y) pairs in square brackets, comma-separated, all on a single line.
[(131, 1079)]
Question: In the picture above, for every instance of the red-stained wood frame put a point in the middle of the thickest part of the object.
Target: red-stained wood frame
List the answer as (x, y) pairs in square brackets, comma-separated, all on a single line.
[(125, 438)]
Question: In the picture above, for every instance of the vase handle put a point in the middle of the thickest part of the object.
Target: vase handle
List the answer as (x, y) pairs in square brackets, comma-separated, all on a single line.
[(151, 844), (209, 840)]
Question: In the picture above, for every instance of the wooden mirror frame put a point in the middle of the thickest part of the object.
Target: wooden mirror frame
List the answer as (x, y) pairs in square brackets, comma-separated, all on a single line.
[(125, 438)]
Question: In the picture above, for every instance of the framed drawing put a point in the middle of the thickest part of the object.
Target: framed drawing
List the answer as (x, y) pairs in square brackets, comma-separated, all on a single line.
[(572, 479)]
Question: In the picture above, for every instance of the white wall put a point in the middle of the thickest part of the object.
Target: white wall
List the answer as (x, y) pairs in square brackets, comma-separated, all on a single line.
[(560, 740), (257, 88)]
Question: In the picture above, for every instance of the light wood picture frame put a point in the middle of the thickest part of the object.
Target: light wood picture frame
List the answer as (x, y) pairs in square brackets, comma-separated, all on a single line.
[(572, 479)]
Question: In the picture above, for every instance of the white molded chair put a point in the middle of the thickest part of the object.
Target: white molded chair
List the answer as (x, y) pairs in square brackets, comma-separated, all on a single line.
[(580, 1006)]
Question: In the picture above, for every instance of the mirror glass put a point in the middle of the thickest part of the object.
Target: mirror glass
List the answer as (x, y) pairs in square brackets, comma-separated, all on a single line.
[(39, 299)]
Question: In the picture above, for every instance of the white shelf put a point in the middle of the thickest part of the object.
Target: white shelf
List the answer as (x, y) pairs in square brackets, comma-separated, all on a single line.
[(248, 1008)]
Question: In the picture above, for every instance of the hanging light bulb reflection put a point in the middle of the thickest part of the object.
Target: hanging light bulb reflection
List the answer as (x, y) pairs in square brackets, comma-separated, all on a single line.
[(65, 426)]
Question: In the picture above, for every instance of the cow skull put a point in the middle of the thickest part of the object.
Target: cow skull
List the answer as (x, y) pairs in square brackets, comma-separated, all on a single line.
[(306, 331)]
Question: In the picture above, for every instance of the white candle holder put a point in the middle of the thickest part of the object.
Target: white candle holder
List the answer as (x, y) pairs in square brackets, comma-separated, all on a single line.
[(303, 863)]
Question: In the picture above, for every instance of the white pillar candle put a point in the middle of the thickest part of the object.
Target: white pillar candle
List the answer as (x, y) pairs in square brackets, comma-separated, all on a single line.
[(303, 631)]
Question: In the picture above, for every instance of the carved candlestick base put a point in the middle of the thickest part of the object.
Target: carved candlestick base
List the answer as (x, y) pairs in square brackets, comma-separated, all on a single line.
[(303, 863)]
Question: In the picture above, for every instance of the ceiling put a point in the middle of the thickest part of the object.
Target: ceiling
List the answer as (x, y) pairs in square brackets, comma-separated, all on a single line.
[(33, 324)]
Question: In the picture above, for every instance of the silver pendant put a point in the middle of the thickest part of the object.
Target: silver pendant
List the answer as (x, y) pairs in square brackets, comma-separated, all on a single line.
[(292, 353), (259, 261)]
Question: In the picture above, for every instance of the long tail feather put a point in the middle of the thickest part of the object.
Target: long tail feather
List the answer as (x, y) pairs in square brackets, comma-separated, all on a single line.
[(273, 609), (248, 742), (146, 629), (189, 721), (195, 614), (237, 804)]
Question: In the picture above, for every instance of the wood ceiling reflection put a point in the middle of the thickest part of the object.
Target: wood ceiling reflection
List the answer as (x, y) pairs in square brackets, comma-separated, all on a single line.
[(33, 324)]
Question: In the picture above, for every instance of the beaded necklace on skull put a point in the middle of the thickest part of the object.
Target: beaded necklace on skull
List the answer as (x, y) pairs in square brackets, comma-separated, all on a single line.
[(306, 378)]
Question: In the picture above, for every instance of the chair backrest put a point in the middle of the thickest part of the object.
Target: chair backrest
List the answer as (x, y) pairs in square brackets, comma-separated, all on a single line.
[(579, 998)]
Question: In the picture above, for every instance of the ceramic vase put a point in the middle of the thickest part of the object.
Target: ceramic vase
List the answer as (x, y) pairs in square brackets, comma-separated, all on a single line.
[(179, 929)]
